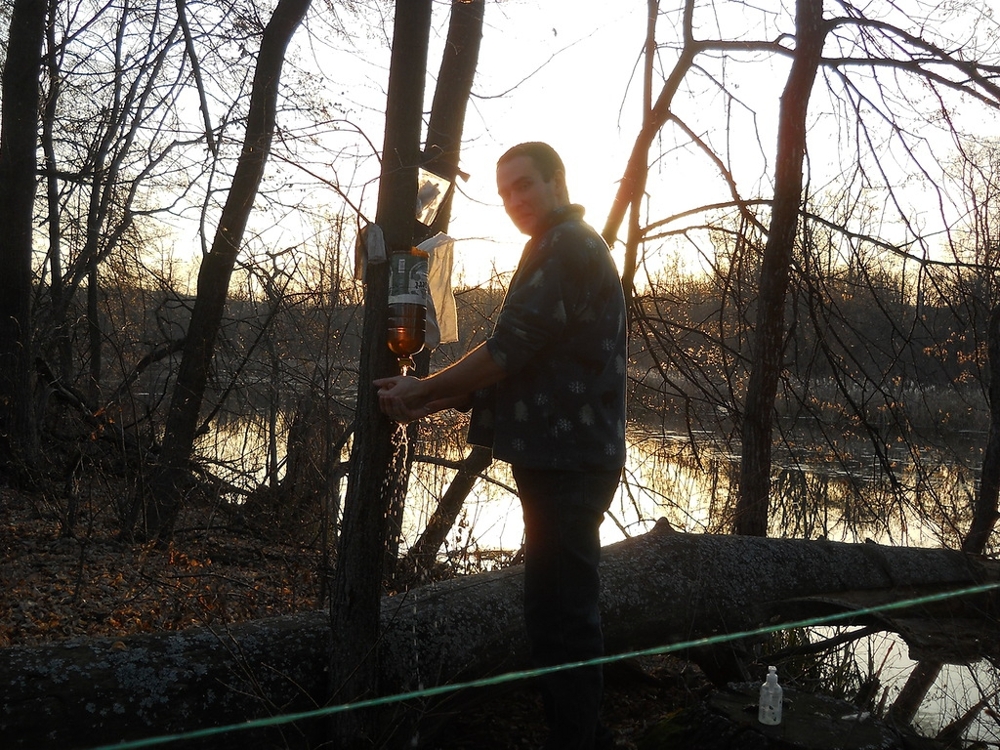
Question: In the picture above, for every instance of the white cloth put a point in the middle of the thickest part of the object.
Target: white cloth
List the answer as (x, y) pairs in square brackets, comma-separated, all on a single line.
[(442, 314), (369, 248)]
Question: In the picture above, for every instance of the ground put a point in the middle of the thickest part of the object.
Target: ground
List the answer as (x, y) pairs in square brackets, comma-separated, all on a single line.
[(638, 695), (60, 582)]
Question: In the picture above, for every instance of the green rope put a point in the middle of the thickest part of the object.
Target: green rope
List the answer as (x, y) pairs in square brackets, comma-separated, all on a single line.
[(528, 673)]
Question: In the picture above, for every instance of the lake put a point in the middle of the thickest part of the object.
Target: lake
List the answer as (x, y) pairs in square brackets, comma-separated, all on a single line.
[(824, 497)]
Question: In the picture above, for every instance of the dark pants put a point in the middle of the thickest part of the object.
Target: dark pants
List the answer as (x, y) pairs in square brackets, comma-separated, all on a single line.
[(563, 511)]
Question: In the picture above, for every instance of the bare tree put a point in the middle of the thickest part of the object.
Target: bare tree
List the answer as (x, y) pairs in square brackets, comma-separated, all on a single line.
[(216, 269), (442, 148), (775, 257), (769, 331), (375, 469), (108, 143)]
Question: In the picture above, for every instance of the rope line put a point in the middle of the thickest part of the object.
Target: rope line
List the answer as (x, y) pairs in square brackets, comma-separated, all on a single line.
[(530, 673)]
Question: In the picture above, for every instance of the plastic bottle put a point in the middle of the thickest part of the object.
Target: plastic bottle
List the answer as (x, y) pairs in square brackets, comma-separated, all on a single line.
[(407, 305), (769, 711)]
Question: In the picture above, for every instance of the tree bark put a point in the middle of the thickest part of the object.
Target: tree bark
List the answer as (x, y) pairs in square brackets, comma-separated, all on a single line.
[(63, 342), (917, 685), (638, 179), (452, 92), (18, 184), (216, 270), (769, 330), (659, 588)]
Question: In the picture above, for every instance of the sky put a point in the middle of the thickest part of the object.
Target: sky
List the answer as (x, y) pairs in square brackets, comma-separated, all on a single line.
[(556, 71), (567, 72)]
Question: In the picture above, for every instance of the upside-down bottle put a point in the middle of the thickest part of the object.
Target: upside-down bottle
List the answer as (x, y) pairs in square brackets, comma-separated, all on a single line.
[(407, 305)]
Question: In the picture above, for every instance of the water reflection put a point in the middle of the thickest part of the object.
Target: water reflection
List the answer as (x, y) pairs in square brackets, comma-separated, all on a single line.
[(923, 501), (877, 666), (695, 492)]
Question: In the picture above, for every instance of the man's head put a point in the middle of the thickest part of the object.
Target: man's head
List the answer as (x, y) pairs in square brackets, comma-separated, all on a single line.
[(531, 181)]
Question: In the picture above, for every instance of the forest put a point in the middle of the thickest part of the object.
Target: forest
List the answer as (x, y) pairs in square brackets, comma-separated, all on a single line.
[(191, 314)]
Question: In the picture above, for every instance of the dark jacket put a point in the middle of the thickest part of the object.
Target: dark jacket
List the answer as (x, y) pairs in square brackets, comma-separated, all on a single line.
[(561, 339)]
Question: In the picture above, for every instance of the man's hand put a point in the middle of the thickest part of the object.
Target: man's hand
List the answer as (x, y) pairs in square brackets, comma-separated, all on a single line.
[(406, 398), (402, 398)]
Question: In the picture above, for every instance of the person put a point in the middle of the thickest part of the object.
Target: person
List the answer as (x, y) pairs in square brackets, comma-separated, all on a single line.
[(547, 393)]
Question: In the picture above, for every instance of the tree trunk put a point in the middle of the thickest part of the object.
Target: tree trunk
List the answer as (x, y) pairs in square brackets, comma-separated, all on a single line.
[(769, 331), (659, 588), (376, 473), (913, 692), (94, 337), (634, 179), (984, 516), (635, 230), (18, 183), (63, 342), (216, 270), (451, 95), (297, 506)]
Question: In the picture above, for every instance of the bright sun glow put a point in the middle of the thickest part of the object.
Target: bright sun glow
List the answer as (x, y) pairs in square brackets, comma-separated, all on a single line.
[(552, 76)]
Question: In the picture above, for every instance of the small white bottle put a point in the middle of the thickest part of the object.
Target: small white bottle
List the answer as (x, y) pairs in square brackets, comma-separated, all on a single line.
[(769, 711)]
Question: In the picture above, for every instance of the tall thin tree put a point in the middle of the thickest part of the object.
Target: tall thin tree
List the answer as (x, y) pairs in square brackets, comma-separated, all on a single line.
[(375, 467), (769, 330), (442, 148), (18, 167)]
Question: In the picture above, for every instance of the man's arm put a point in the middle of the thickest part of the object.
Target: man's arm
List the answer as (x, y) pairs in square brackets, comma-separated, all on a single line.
[(406, 398)]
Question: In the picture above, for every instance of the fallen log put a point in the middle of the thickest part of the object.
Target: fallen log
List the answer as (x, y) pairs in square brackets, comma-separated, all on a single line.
[(659, 588)]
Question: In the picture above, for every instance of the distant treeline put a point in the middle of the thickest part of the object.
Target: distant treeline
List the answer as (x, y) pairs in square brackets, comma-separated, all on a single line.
[(690, 347)]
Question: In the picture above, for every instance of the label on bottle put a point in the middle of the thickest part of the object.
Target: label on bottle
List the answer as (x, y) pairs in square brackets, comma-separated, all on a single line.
[(408, 279)]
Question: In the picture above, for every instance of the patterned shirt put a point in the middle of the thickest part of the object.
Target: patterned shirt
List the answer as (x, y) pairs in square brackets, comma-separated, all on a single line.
[(560, 337)]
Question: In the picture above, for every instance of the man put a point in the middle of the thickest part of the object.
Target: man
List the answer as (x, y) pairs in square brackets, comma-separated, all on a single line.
[(547, 391)]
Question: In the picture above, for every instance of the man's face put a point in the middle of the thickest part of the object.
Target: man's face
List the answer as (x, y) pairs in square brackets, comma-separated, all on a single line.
[(528, 198)]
